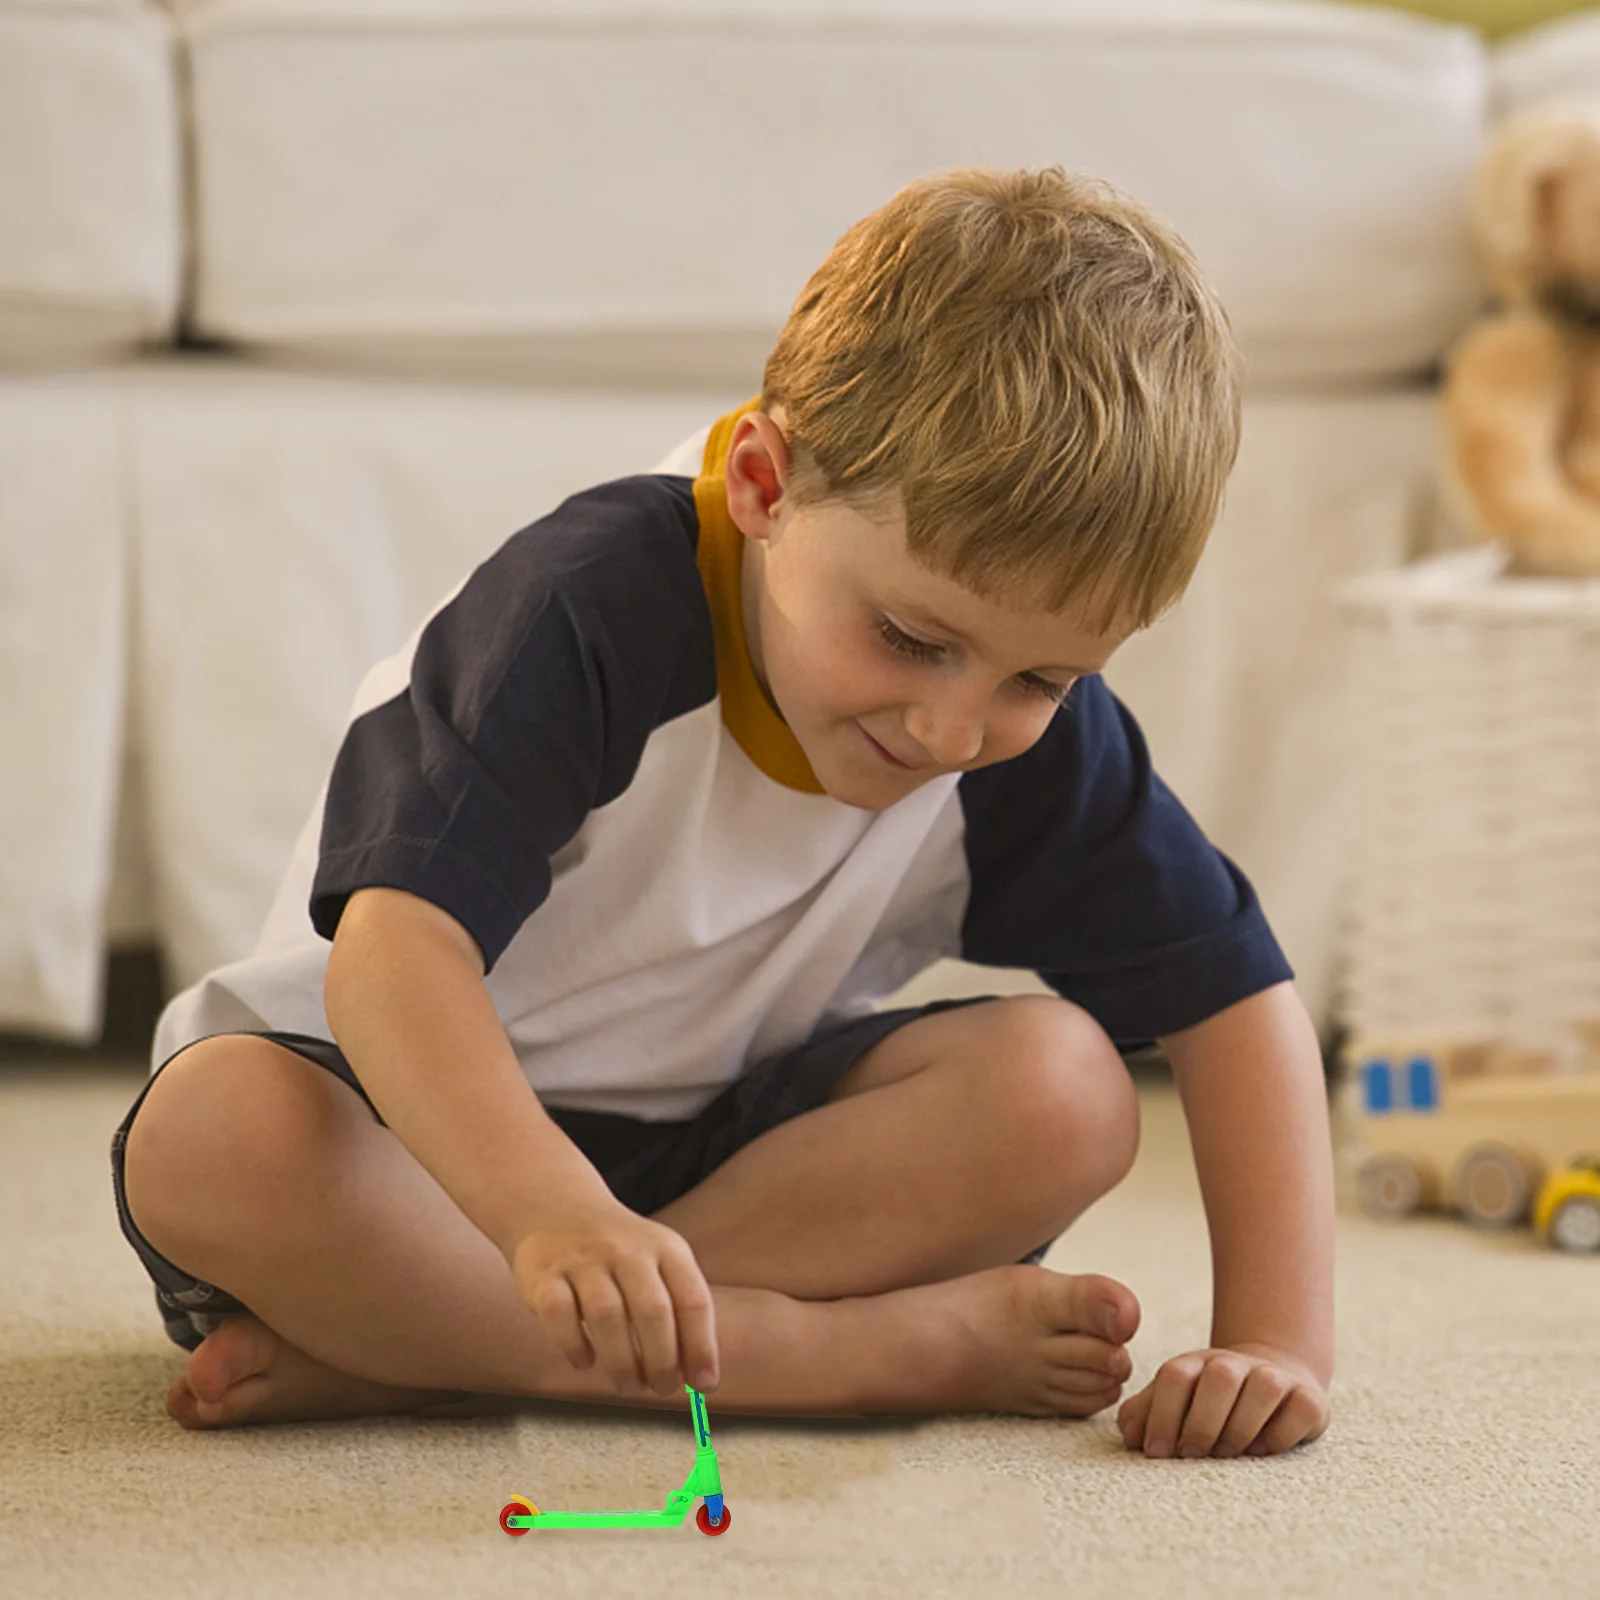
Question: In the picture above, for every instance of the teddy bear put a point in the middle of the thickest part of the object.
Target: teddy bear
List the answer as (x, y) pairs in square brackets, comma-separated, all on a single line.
[(1521, 391)]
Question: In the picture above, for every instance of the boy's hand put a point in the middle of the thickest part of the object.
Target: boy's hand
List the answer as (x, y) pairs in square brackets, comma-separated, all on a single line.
[(605, 1282), (1248, 1399)]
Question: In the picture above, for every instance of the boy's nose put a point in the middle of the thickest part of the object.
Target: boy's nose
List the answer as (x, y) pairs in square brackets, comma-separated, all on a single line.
[(951, 734)]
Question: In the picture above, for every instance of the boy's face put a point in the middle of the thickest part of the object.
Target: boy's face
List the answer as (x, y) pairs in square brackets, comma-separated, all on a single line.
[(888, 674)]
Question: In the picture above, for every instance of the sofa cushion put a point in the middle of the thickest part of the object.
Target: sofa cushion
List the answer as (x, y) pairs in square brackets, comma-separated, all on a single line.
[(90, 242), (640, 187)]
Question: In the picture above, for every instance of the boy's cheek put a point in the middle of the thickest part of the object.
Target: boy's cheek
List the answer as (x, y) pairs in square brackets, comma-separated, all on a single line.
[(825, 694)]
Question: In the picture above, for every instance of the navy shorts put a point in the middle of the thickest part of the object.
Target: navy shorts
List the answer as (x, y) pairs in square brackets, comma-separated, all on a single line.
[(645, 1164)]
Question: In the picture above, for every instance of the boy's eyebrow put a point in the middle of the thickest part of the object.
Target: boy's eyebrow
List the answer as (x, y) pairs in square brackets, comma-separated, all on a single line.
[(926, 619)]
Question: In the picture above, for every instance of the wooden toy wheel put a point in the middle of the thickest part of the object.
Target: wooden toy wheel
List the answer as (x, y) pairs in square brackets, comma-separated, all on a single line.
[(702, 1519), (517, 1507), (1493, 1186), (1390, 1186)]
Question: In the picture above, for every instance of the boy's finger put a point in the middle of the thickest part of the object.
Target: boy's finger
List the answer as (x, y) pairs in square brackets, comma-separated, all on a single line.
[(1263, 1392), (655, 1330), (605, 1318), (555, 1304), (1297, 1419), (696, 1319), (1132, 1416), (1211, 1405), (1169, 1403)]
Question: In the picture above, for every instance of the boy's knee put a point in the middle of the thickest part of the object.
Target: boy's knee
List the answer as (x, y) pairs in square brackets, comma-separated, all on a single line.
[(212, 1147), (1075, 1090)]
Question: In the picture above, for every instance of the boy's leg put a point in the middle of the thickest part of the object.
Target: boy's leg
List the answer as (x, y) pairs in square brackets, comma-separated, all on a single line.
[(958, 1142), (256, 1170)]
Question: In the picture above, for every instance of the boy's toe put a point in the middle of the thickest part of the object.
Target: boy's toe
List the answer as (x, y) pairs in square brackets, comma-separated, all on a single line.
[(241, 1401), (180, 1402), (241, 1348), (1104, 1307), (1087, 1352), (225, 1378)]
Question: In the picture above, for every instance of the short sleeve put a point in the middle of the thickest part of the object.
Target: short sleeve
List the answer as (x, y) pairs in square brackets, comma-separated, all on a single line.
[(1088, 870), (529, 699)]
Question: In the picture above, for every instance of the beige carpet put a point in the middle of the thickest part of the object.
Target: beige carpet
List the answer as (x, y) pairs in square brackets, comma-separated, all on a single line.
[(1464, 1458)]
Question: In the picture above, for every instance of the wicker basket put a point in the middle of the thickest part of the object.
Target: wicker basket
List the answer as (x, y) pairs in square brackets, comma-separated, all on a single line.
[(1473, 902)]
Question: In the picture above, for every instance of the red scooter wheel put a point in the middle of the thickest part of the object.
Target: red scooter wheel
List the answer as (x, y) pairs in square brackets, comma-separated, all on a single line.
[(517, 1508), (702, 1519)]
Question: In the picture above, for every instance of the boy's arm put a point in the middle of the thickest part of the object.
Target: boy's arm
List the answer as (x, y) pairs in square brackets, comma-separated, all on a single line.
[(1252, 1087), (406, 1000)]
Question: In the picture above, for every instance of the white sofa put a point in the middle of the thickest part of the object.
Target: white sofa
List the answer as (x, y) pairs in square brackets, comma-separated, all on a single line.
[(442, 261)]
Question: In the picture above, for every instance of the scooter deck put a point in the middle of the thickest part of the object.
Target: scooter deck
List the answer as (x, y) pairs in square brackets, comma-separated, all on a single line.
[(600, 1519)]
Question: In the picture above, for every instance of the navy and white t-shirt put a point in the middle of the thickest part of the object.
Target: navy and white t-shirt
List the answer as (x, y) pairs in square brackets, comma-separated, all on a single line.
[(573, 757)]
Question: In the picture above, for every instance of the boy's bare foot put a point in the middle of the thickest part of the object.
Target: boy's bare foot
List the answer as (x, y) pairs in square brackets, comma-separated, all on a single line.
[(244, 1372), (1029, 1340), (1015, 1339)]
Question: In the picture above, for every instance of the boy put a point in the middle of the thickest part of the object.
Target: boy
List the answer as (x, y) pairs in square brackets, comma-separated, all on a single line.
[(588, 1098)]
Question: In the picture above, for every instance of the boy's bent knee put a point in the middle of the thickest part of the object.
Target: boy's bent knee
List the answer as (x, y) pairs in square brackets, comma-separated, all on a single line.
[(1076, 1090), (221, 1139)]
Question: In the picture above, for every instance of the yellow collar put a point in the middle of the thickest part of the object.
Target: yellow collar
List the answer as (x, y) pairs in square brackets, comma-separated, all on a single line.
[(757, 729)]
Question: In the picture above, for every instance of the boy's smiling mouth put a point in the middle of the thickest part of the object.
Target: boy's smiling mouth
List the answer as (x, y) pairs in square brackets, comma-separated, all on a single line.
[(889, 755)]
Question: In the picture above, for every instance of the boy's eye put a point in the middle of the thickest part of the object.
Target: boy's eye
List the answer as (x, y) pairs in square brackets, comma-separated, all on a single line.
[(908, 644), (1051, 691)]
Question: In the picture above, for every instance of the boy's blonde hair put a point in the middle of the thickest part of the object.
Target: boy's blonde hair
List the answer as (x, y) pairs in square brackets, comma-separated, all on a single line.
[(1040, 369)]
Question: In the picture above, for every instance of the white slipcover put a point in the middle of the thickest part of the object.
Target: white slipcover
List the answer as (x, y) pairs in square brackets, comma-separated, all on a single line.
[(642, 188), (90, 224), (62, 650)]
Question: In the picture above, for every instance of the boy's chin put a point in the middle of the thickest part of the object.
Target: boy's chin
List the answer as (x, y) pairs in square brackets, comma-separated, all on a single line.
[(867, 791)]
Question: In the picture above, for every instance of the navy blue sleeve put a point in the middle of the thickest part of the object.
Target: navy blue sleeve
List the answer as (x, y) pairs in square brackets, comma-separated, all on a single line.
[(532, 694), (1086, 868)]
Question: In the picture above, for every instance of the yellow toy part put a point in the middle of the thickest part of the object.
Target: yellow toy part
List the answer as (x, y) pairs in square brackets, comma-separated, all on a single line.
[(1567, 1212)]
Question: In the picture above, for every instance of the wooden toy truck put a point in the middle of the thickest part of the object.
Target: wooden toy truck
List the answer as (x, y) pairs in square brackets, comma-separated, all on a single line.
[(1471, 1124)]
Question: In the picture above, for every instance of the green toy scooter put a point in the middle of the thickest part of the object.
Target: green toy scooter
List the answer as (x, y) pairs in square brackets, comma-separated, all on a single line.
[(704, 1478)]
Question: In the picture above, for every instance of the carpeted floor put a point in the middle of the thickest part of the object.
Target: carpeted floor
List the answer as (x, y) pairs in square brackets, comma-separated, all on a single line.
[(1464, 1459)]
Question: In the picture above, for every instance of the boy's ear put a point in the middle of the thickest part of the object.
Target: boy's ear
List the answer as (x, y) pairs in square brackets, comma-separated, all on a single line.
[(757, 473)]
